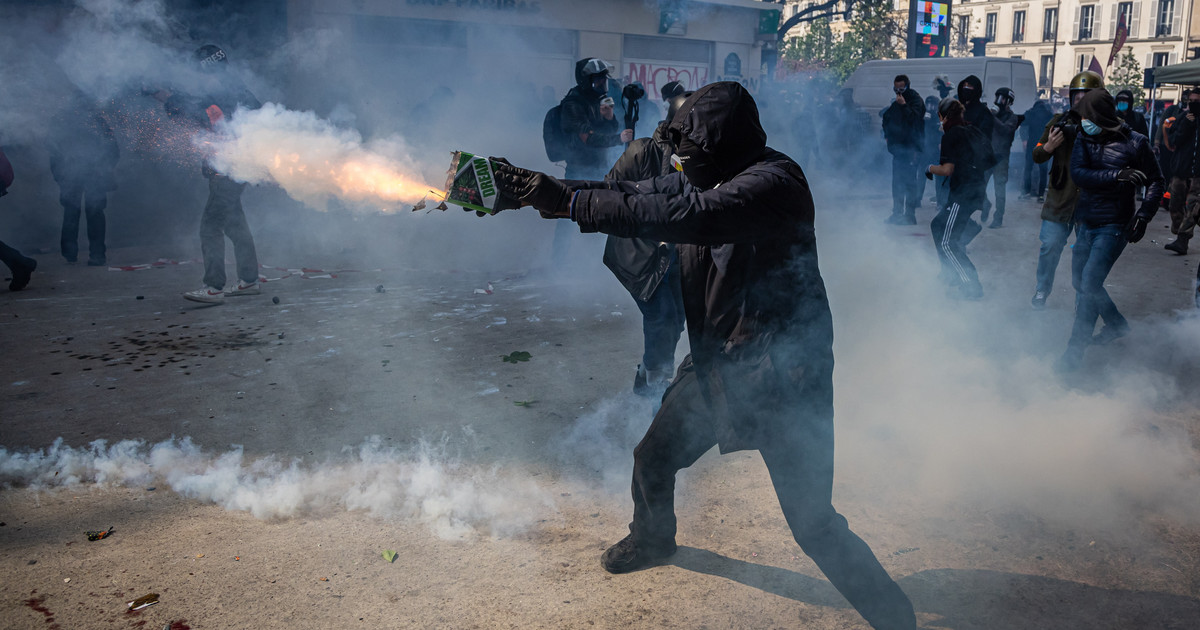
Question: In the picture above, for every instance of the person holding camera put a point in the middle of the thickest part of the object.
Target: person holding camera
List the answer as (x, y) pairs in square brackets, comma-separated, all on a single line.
[(904, 130), (1185, 177), (1108, 164), (1058, 210)]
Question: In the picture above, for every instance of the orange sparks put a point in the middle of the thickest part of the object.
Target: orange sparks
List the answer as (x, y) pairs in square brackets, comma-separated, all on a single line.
[(353, 179)]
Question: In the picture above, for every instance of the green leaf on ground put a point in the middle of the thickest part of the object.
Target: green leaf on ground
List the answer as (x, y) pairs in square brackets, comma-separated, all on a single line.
[(516, 357), (389, 555), (524, 403)]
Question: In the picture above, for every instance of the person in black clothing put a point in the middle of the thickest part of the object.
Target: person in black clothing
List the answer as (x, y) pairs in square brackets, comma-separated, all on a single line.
[(933, 148), (590, 133), (977, 114), (1109, 162), (761, 365), (648, 268), (904, 130), (1005, 129), (1130, 116), (962, 149), (1177, 188), (1036, 118), (83, 156), (21, 266), (223, 214), (1185, 139)]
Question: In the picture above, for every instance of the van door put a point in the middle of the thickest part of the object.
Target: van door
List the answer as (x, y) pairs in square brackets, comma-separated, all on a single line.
[(998, 74)]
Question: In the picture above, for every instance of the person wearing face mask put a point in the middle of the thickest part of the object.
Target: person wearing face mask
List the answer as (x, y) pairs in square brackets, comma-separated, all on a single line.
[(963, 160), (590, 128), (1058, 209), (933, 148), (904, 131), (1185, 179), (1109, 162), (1003, 132), (648, 268), (760, 372), (977, 114), (1130, 116)]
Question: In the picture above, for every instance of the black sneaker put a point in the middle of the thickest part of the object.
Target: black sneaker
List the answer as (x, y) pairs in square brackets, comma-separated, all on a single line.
[(21, 274), (627, 556)]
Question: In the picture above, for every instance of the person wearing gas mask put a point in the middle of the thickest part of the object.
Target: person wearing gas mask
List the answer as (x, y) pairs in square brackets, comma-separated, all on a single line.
[(1003, 132), (223, 214), (1058, 210), (977, 114), (904, 131), (20, 265), (964, 151), (648, 268), (760, 371), (589, 135), (1185, 178), (1108, 163)]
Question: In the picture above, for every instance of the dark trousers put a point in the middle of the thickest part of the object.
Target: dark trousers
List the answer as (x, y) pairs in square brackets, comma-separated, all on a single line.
[(1000, 183), (223, 216), (662, 322), (91, 200), (801, 467), (1178, 187), (1028, 185), (1096, 250), (952, 230), (906, 188), (11, 257)]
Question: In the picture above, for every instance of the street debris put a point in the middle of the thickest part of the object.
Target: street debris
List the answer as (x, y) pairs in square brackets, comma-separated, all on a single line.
[(97, 534), (524, 403), (389, 555), (516, 357), (148, 599), (379, 289), (488, 291), (275, 300)]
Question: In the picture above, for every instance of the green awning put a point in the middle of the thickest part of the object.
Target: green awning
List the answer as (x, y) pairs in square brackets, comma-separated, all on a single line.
[(1180, 73)]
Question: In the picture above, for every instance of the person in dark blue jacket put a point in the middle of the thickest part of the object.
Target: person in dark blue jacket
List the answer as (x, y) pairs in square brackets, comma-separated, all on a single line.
[(1109, 162)]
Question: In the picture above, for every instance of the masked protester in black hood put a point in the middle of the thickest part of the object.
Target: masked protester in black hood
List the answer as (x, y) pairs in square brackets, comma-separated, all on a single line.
[(1130, 116), (760, 371), (904, 130), (648, 268), (977, 114), (1185, 176), (1109, 162)]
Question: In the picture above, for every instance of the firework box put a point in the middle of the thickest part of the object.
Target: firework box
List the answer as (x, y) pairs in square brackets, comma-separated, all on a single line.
[(471, 182)]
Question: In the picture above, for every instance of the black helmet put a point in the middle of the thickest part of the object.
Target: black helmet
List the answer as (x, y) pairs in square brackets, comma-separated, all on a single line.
[(210, 57), (670, 90), (675, 103), (1006, 94)]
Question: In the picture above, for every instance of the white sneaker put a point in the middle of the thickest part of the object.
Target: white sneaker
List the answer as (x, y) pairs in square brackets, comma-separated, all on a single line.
[(205, 294), (242, 288)]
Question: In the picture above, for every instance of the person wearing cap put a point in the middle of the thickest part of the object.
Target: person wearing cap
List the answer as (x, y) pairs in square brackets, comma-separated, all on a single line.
[(1108, 163), (589, 134), (223, 214), (1003, 132), (760, 372), (1058, 210)]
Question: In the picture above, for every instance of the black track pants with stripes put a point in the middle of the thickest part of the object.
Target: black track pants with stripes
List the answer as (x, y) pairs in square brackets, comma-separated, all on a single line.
[(951, 227)]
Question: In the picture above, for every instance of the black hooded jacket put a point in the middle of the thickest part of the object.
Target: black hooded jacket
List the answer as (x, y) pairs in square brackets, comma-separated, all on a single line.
[(1098, 159), (588, 134), (640, 264), (975, 112), (758, 318), (904, 125), (1185, 138)]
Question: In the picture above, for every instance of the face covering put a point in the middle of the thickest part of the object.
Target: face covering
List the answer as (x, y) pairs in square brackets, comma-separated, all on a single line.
[(697, 166), (600, 83), (1194, 107), (1089, 127), (1122, 106)]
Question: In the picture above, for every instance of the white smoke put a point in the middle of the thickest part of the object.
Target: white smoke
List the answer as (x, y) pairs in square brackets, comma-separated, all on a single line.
[(313, 160), (425, 484)]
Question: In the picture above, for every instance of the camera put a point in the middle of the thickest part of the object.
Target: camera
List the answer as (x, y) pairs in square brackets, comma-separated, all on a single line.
[(1069, 123), (633, 92)]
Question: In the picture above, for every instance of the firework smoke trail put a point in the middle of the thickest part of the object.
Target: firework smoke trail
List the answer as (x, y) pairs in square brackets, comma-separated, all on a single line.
[(313, 160)]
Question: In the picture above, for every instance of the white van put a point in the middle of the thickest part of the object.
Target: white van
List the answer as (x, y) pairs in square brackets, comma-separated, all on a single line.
[(872, 82)]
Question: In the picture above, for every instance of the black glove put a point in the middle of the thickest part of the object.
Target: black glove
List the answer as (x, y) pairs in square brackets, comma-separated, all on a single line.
[(1132, 176), (928, 174), (1136, 228), (550, 196)]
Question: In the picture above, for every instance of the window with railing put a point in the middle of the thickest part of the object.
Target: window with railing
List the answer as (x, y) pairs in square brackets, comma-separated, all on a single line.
[(1050, 25), (1018, 34), (1087, 16), (1166, 17)]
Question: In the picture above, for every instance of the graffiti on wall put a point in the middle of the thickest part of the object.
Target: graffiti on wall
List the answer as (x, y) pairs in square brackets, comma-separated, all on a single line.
[(653, 76)]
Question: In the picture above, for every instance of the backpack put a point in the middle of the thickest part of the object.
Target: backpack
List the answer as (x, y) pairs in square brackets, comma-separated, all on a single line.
[(553, 136), (984, 157)]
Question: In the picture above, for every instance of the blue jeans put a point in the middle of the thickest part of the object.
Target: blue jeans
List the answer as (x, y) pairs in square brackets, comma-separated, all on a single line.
[(1054, 237), (1096, 250)]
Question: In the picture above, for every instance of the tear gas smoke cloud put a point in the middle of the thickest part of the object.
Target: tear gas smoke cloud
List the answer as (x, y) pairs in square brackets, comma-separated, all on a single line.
[(425, 484), (313, 160)]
